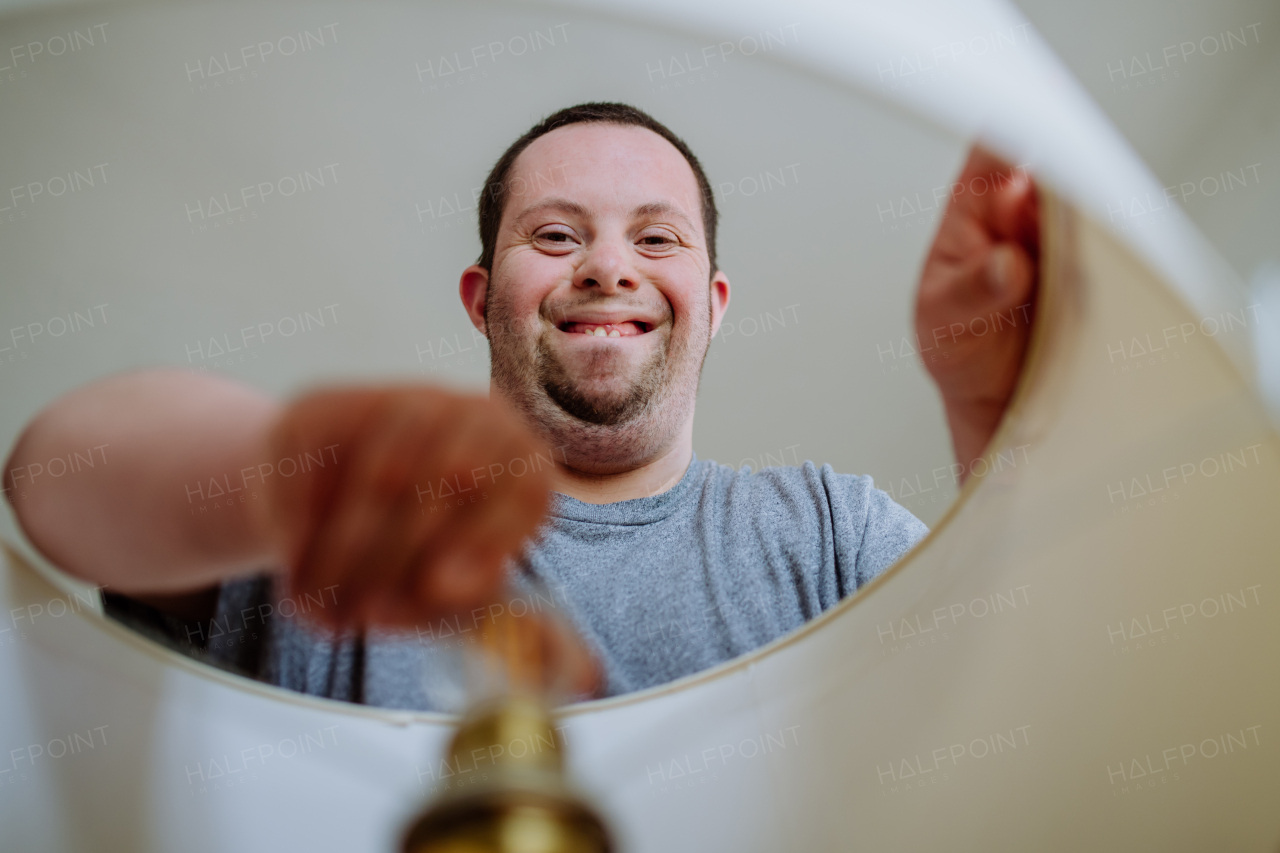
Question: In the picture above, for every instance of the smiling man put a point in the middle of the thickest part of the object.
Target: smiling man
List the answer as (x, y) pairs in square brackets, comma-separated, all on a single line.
[(599, 293), (604, 296)]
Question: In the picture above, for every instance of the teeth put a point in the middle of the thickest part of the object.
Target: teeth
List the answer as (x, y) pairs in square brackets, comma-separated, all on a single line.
[(605, 331)]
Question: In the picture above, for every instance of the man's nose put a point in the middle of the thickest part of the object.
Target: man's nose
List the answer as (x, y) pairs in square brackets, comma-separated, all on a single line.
[(605, 268)]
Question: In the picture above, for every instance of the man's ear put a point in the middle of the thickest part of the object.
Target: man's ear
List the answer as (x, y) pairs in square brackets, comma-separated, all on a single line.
[(719, 299), (474, 290)]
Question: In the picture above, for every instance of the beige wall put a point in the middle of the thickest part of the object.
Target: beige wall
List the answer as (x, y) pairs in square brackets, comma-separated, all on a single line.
[(820, 249), (815, 235)]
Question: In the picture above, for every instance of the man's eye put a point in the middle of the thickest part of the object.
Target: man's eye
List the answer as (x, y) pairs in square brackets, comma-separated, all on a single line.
[(657, 240), (555, 236)]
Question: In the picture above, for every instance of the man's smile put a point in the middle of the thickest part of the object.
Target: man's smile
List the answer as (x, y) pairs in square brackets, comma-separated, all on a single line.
[(614, 329)]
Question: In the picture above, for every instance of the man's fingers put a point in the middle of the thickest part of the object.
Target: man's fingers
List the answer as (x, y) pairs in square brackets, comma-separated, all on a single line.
[(998, 196), (461, 578), (983, 260), (376, 486), (424, 509), (500, 510), (1015, 212), (404, 529), (468, 567), (1007, 275), (976, 295), (297, 504), (978, 300), (959, 239)]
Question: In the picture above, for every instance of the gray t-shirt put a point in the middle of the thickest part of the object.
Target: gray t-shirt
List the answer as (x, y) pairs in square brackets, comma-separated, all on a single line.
[(660, 587)]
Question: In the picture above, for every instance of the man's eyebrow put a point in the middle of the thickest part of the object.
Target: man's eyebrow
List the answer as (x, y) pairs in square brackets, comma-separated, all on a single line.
[(663, 208), (562, 205)]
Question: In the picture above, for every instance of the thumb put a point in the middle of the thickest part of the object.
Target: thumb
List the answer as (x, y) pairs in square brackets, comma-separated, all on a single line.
[(1006, 276)]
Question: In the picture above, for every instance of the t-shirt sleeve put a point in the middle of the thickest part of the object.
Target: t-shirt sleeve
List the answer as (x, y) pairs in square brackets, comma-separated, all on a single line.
[(871, 530)]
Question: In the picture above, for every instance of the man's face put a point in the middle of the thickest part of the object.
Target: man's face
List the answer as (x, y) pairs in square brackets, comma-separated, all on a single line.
[(600, 307)]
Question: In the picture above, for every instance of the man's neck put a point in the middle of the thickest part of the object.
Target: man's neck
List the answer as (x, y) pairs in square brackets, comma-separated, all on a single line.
[(653, 478)]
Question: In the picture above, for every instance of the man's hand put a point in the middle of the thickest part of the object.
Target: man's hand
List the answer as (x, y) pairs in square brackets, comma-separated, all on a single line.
[(977, 298), (430, 492)]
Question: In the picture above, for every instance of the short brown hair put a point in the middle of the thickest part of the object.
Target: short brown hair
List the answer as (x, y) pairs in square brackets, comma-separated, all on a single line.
[(493, 199)]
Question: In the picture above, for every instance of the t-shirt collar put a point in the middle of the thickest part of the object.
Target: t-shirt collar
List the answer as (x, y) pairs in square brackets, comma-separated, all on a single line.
[(633, 511)]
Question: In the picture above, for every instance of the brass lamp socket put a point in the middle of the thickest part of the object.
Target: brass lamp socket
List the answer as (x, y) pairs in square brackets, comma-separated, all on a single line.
[(522, 804)]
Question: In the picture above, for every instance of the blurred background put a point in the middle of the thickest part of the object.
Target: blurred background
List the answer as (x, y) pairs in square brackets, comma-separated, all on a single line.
[(285, 194), (1195, 88)]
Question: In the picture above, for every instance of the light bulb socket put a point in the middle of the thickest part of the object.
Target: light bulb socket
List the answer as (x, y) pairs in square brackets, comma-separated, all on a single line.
[(524, 804)]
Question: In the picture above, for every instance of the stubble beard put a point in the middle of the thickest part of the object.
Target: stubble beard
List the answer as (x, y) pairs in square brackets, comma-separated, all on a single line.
[(599, 434)]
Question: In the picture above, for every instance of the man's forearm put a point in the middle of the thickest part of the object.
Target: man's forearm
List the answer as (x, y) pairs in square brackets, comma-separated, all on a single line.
[(130, 482)]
